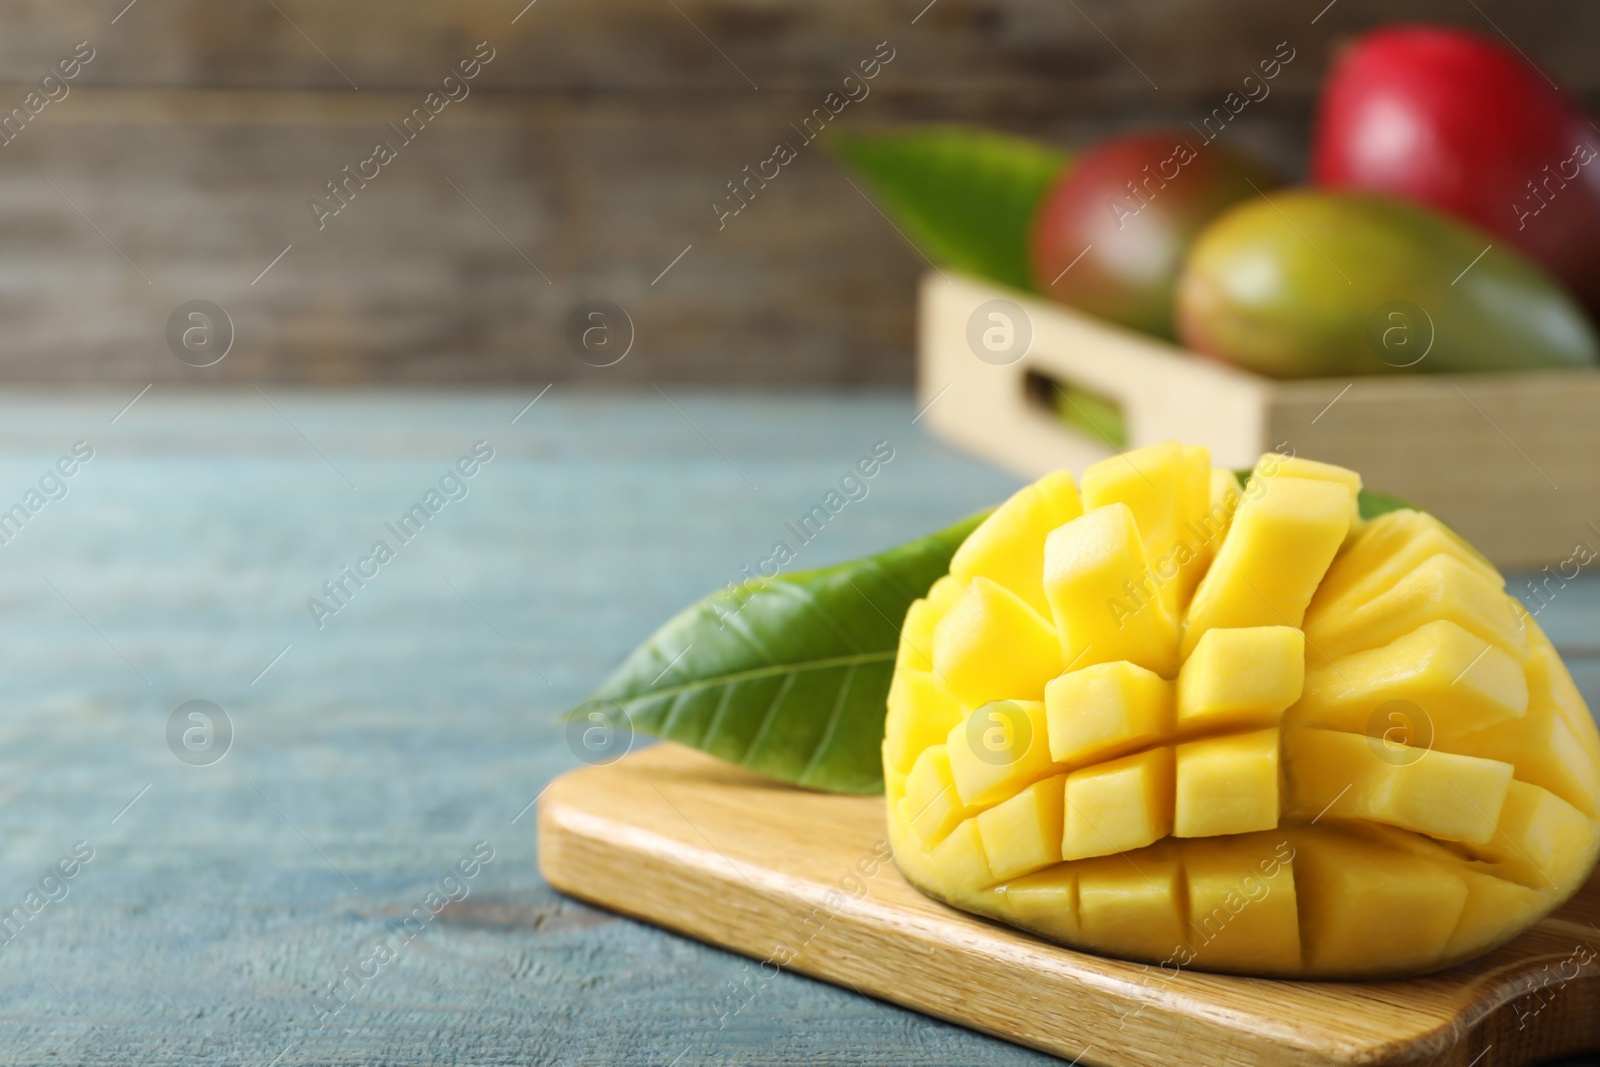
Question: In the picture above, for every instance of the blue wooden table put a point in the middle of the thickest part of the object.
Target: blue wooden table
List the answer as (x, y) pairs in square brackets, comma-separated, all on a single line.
[(387, 741)]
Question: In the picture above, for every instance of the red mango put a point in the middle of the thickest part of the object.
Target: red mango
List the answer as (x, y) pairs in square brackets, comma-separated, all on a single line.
[(1465, 125)]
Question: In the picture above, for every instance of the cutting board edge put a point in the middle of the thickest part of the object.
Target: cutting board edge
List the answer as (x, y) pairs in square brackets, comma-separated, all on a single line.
[(574, 857), (692, 887)]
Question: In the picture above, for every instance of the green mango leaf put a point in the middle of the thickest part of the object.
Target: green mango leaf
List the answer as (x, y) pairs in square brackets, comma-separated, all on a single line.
[(1374, 504), (964, 196), (788, 677)]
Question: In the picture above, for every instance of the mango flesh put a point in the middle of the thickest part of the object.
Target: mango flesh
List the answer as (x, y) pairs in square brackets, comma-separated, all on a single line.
[(1163, 718), (1316, 284)]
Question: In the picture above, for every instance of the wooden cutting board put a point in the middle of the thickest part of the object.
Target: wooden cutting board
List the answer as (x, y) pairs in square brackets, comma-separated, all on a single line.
[(801, 879)]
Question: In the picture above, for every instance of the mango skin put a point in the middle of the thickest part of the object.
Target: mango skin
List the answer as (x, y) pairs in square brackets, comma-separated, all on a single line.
[(1306, 286), (1110, 236)]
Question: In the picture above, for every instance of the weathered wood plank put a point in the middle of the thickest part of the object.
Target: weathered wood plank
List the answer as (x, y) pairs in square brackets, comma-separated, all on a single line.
[(407, 729), (417, 281), (1187, 47), (594, 142), (164, 197)]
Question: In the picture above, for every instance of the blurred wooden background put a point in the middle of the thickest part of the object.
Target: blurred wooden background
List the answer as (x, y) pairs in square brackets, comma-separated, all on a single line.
[(184, 156)]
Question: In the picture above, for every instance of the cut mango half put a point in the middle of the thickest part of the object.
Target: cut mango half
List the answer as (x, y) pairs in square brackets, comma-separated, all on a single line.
[(1156, 715)]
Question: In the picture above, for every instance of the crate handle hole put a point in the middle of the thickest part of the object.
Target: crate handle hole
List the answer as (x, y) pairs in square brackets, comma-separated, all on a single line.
[(1082, 410)]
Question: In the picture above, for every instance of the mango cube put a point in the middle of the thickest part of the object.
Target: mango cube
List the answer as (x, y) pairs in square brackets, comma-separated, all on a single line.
[(1241, 677), (1006, 546), (1227, 785), (1118, 806), (1535, 841), (999, 749), (1459, 681), (1130, 905), (960, 859), (992, 646), (1388, 549), (1045, 902), (1106, 710), (1167, 487), (1279, 545), (944, 593), (1211, 527), (1023, 834), (921, 713), (894, 779), (1243, 913), (930, 805), (916, 637), (1225, 495), (1060, 495), (1493, 912), (1351, 776), (1545, 752), (1103, 597), (1359, 899), (1554, 746), (1440, 588), (1549, 682), (1273, 465)]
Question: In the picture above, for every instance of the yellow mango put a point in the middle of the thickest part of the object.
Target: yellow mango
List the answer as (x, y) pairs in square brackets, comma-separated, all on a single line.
[(998, 749), (1387, 549), (1348, 754), (1227, 785), (1167, 487), (1550, 683), (944, 593), (1106, 710), (1281, 540), (1118, 806), (1225, 493), (1273, 465), (1023, 834), (930, 805), (1494, 913), (921, 713), (1241, 677), (960, 860), (916, 637), (1243, 913), (1006, 546), (1130, 906), (1350, 776), (1545, 752), (1060, 495), (1460, 682), (1211, 527), (1103, 597), (1554, 746), (1441, 587), (1045, 902), (894, 779), (992, 646), (1360, 901), (1536, 842)]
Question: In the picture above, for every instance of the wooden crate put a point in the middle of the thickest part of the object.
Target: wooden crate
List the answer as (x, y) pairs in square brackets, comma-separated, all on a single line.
[(1512, 461)]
